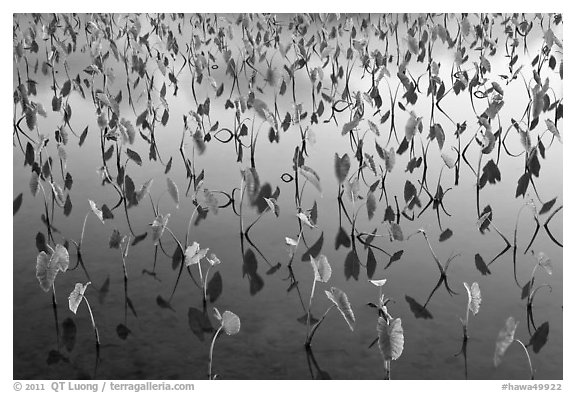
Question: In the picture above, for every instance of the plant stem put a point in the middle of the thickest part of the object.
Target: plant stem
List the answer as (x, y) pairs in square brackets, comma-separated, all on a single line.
[(96, 335), (315, 327), (211, 352), (528, 356), (309, 307)]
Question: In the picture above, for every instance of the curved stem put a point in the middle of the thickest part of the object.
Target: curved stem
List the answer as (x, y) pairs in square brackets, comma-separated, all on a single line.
[(528, 356), (212, 351), (315, 327)]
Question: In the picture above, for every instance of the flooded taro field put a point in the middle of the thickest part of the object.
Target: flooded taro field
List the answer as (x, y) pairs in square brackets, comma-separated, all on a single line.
[(287, 196)]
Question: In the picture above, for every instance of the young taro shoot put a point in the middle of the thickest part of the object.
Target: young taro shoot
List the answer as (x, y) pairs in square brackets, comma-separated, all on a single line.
[(390, 332), (74, 300), (474, 300), (230, 323)]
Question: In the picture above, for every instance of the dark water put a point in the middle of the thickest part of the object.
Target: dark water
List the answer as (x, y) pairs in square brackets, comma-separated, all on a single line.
[(257, 283)]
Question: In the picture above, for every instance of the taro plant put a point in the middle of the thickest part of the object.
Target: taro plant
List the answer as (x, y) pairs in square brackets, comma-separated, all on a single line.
[(194, 256), (47, 268), (230, 323), (474, 300), (505, 339), (322, 273), (390, 333), (74, 301), (340, 300)]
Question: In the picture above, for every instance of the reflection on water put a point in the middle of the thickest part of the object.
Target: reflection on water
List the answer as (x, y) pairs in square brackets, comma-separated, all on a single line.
[(423, 149)]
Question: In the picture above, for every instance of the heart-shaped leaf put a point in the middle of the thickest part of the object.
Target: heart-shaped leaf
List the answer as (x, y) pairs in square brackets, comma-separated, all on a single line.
[(390, 338), (194, 254), (322, 269), (341, 167), (474, 297), (505, 338), (230, 323), (340, 299), (76, 296)]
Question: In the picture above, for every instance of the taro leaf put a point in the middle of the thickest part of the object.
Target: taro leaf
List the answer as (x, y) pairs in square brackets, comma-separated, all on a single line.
[(168, 166), (378, 283), (314, 249), (143, 190), (160, 301), (212, 201), (199, 323), (448, 160), (417, 309), (76, 296), (540, 337), (505, 338), (139, 238), (158, 226), (69, 334), (83, 136), (490, 174), (485, 219), (41, 243), (389, 156), (523, 182), (411, 195), (474, 297), (122, 331), (177, 258), (396, 231), (115, 239), (60, 258), (107, 213), (370, 205), (547, 206), (341, 167), (370, 264), (304, 218), (45, 272), (252, 184), (447, 234), (230, 323), (437, 132), (390, 338), (413, 123), (313, 213), (413, 164), (134, 156), (272, 204), (389, 214), (96, 211), (545, 262), (395, 257), (481, 265), (103, 291), (322, 269), (340, 299), (17, 203), (173, 190), (58, 194), (352, 265), (194, 254), (311, 175), (552, 128), (214, 288), (342, 239)]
